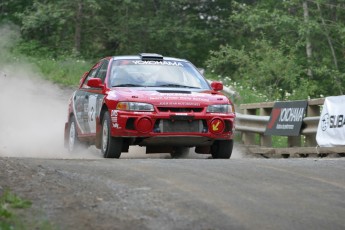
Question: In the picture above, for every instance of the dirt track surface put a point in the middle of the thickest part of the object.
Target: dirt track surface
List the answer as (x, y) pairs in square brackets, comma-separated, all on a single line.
[(180, 193)]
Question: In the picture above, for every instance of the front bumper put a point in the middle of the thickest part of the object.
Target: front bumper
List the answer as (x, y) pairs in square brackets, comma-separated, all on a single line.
[(173, 128)]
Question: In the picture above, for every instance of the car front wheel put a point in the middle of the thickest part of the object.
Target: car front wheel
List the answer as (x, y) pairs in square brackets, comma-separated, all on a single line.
[(111, 146), (222, 149)]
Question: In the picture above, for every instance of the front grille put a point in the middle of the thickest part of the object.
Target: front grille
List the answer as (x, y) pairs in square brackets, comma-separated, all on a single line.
[(180, 126), (180, 110)]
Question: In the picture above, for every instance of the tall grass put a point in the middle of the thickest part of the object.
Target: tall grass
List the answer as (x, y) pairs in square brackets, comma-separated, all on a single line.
[(65, 72)]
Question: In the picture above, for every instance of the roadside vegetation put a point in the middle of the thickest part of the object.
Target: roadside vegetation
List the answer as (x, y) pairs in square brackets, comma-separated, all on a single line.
[(265, 50), (9, 202), (66, 72), (12, 209)]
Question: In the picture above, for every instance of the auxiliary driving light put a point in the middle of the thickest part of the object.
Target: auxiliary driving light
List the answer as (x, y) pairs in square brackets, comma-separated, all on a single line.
[(143, 125), (217, 126)]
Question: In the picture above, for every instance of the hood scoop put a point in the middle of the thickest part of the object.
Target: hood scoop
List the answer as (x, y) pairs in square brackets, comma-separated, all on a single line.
[(174, 91)]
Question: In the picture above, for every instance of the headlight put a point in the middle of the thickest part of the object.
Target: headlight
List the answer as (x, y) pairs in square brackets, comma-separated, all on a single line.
[(134, 106), (220, 109)]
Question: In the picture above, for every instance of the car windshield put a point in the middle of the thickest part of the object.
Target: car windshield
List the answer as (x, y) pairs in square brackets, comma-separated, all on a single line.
[(137, 73)]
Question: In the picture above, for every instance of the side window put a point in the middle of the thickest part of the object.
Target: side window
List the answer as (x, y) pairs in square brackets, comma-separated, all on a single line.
[(103, 70), (92, 74)]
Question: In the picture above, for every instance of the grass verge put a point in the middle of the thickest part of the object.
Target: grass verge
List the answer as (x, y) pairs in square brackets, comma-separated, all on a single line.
[(10, 206)]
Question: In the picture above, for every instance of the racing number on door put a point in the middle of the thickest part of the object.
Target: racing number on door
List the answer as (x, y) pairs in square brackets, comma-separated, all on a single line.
[(92, 113)]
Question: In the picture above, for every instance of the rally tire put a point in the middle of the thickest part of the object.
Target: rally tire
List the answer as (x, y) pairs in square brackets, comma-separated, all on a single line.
[(110, 146), (74, 145), (179, 152), (222, 149)]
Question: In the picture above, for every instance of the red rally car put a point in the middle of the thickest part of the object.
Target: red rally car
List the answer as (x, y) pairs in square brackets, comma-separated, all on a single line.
[(149, 100)]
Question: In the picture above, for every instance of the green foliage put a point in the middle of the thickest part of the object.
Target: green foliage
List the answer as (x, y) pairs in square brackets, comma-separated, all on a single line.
[(32, 48), (13, 201), (279, 141), (271, 54), (94, 28), (10, 8), (62, 71), (47, 24), (244, 93), (263, 69), (260, 44), (8, 202)]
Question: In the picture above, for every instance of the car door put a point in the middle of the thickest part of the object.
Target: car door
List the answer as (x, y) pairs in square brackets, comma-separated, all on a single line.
[(88, 101)]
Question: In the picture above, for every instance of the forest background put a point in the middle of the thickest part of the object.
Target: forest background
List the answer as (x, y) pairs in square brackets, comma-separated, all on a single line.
[(266, 50)]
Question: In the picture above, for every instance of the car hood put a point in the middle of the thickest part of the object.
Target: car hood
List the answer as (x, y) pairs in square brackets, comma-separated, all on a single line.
[(168, 96)]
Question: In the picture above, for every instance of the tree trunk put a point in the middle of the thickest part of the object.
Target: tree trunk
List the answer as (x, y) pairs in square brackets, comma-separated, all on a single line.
[(335, 61), (78, 22), (330, 43), (309, 49)]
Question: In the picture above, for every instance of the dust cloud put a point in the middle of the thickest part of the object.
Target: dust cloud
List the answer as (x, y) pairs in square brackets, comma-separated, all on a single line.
[(32, 111)]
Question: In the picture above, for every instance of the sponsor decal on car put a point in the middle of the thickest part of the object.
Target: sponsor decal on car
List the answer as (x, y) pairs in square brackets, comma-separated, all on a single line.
[(174, 103), (114, 119), (171, 63), (179, 98)]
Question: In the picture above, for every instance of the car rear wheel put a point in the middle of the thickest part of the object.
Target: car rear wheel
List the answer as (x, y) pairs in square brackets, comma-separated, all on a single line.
[(111, 146), (222, 149), (74, 144), (179, 152)]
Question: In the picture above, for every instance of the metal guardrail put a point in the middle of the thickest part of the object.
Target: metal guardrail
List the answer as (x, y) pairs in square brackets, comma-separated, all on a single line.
[(257, 124), (251, 123), (310, 125), (252, 120)]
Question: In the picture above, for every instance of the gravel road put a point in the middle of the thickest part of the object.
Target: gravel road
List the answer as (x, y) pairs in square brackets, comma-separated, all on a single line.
[(146, 193)]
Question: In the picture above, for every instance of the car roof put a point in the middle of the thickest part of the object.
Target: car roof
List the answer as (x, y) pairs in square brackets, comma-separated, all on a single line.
[(145, 55)]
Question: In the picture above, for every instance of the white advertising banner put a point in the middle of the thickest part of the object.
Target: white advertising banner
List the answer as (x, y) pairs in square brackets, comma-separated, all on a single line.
[(331, 129)]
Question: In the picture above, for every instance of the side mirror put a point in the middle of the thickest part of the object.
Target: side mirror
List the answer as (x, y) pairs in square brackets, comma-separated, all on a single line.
[(217, 85), (95, 83)]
